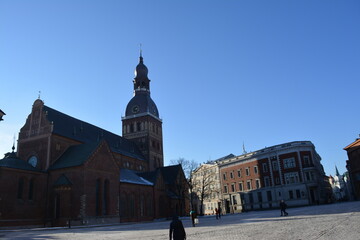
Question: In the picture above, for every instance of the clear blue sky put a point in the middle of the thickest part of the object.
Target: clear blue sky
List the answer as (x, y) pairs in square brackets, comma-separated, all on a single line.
[(223, 73)]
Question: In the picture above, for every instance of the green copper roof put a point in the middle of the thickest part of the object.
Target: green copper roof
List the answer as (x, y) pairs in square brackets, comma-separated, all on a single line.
[(75, 156)]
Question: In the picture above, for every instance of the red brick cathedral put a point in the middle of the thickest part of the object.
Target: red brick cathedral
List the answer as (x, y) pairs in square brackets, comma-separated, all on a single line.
[(67, 171)]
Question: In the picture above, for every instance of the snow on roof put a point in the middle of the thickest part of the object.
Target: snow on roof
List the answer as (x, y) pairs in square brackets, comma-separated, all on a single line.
[(128, 176)]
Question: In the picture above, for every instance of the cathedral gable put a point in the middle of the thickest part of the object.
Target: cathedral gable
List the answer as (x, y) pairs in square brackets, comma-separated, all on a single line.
[(102, 159)]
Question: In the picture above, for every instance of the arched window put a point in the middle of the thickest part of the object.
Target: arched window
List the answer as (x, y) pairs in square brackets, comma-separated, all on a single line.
[(162, 209), (57, 206), (31, 189), (106, 197), (150, 210), (123, 206), (132, 205), (20, 188), (98, 197), (142, 207)]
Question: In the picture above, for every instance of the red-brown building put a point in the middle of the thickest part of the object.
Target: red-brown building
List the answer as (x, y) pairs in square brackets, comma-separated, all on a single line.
[(260, 179), (69, 171), (353, 166)]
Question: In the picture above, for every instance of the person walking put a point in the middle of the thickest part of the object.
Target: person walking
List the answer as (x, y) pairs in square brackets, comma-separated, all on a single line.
[(193, 216), (283, 206), (177, 231), (217, 213)]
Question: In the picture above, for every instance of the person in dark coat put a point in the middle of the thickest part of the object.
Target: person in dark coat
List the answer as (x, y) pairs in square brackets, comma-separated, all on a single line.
[(283, 208), (177, 231), (193, 216)]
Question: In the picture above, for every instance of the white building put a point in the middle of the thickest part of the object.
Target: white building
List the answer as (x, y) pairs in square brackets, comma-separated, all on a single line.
[(206, 186)]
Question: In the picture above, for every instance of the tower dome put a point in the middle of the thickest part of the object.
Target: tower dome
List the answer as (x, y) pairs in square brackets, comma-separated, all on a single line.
[(141, 122), (141, 103), (141, 80), (141, 71)]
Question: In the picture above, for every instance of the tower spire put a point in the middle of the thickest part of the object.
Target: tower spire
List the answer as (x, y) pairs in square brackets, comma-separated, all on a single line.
[(141, 57), (13, 147)]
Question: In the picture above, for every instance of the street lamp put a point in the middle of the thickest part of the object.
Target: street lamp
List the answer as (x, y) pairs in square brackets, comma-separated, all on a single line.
[(1, 115)]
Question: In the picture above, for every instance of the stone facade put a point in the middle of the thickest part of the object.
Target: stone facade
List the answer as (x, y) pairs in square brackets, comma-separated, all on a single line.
[(260, 179), (206, 183)]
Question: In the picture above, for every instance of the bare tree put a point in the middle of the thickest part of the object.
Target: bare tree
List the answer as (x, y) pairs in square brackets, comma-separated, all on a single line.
[(204, 185), (188, 167)]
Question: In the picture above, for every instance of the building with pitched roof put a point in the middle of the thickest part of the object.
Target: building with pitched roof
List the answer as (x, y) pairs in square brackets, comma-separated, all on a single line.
[(290, 171), (67, 171), (353, 166)]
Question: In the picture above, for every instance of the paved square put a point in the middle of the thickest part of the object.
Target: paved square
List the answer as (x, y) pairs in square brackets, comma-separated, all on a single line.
[(333, 221)]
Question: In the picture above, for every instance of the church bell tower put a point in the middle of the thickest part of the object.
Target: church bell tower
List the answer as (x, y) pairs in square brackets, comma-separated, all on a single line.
[(141, 123)]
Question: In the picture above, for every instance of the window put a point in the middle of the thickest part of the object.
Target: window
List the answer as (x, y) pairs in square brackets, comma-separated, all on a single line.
[(312, 176), (234, 199), (231, 174), (106, 196), (257, 183), (255, 169), (267, 181), (97, 196), (225, 189), (298, 193), (291, 194), (291, 178), (224, 176), (138, 126), (259, 195), (265, 168), (274, 165), (132, 206), (277, 180), (241, 187), (289, 163), (306, 160), (20, 188), (269, 195), (149, 208), (247, 170), (248, 184), (232, 187), (239, 173), (131, 127), (31, 189)]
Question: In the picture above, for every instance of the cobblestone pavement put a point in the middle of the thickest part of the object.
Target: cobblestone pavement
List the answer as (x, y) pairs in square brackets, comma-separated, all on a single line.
[(324, 222)]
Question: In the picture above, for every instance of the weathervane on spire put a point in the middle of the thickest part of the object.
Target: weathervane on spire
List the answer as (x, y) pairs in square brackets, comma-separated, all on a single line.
[(13, 147), (244, 151), (140, 50), (39, 94)]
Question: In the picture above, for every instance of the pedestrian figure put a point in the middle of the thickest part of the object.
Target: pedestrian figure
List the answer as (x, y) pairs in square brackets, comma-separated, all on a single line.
[(177, 231), (283, 208), (193, 216), (217, 213)]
